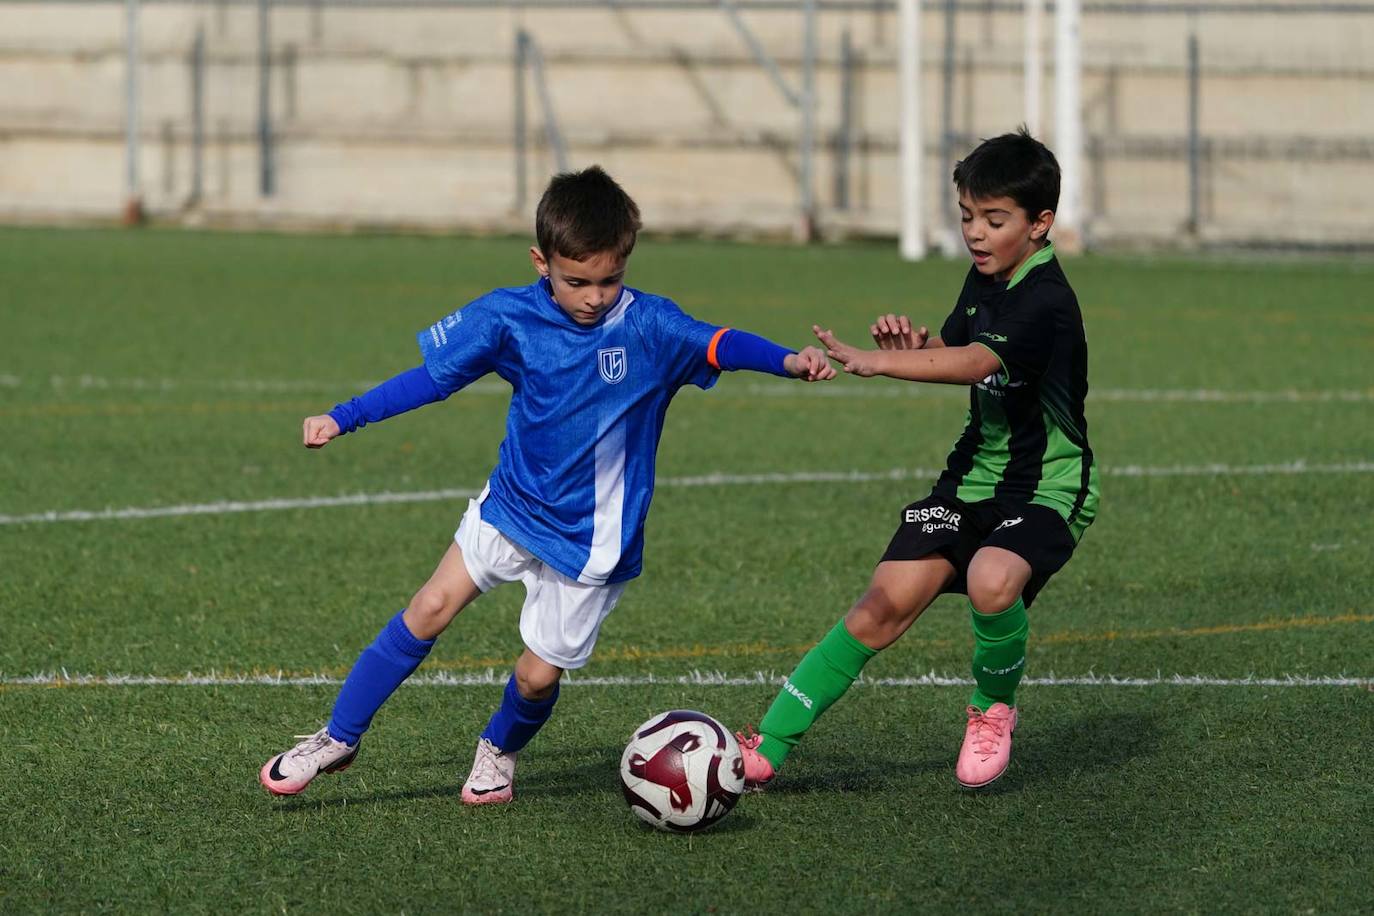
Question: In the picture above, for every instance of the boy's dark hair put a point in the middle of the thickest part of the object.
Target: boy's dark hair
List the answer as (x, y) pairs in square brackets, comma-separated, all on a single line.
[(585, 213), (1013, 165)]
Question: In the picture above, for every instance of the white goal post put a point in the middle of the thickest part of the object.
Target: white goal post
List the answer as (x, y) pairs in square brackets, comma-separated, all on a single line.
[(1068, 125), (1068, 118), (911, 153)]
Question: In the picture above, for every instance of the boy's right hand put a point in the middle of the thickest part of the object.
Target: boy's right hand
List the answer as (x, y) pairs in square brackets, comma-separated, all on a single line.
[(894, 332), (863, 363), (319, 430)]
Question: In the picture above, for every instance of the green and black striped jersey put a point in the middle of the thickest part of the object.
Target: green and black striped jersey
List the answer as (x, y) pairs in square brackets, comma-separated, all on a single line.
[(1026, 439)]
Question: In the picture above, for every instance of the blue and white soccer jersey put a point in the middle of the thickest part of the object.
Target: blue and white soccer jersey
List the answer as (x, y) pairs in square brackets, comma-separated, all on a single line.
[(575, 473)]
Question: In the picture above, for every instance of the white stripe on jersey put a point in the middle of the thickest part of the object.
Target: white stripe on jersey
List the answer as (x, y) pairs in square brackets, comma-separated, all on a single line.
[(607, 520), (610, 505), (434, 332), (617, 312)]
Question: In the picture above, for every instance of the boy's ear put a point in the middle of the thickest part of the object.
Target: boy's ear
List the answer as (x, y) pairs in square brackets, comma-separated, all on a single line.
[(1040, 225), (537, 259)]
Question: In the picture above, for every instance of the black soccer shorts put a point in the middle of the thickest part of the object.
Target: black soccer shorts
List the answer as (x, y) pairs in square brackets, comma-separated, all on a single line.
[(956, 530)]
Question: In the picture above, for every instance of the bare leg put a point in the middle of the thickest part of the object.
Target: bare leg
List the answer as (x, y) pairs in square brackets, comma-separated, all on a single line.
[(534, 677), (449, 589), (898, 593), (996, 578)]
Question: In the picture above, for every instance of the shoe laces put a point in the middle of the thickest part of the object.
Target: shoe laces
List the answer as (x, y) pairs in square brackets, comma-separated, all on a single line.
[(311, 744), (487, 769), (987, 730)]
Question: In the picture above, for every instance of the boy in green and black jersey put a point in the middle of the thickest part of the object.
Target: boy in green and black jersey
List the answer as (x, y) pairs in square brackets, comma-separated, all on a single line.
[(1019, 488)]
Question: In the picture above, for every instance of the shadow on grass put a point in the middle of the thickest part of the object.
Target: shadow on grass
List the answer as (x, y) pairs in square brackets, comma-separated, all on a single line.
[(1043, 755), (299, 804), (1088, 743), (734, 822), (600, 770), (832, 772), (550, 781), (1046, 755)]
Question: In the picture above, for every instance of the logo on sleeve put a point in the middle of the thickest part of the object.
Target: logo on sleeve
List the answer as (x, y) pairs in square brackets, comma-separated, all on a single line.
[(439, 330), (1000, 338), (610, 362)]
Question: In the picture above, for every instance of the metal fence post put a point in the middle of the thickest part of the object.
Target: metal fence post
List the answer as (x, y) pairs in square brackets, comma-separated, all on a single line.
[(552, 133), (521, 43), (950, 235), (133, 198), (197, 118), (807, 227), (266, 171), (1194, 140), (844, 136), (1033, 66)]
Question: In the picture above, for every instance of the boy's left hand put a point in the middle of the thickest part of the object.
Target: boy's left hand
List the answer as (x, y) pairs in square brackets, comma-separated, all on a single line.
[(810, 365)]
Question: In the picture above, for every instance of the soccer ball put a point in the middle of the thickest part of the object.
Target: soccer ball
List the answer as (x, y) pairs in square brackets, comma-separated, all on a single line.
[(682, 771)]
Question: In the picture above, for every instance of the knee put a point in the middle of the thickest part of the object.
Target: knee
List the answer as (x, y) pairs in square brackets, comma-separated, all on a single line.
[(429, 611), (992, 591), (536, 681)]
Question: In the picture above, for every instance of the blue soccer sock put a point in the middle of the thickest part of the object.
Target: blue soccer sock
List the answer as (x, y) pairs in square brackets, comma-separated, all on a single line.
[(518, 719), (393, 656)]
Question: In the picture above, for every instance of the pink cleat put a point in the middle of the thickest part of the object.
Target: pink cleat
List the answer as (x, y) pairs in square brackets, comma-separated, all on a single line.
[(987, 745), (758, 770), (290, 772), (492, 780)]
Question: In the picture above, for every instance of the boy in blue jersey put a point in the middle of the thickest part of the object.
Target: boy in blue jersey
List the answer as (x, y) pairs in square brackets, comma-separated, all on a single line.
[(593, 366)]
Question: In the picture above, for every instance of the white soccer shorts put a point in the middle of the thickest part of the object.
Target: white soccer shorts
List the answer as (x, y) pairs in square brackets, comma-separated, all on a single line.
[(561, 616)]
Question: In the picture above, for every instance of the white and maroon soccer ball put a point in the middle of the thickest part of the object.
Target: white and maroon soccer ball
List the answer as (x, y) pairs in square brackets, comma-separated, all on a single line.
[(682, 771)]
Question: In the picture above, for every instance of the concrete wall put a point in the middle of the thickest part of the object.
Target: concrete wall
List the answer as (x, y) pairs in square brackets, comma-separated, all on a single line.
[(404, 117)]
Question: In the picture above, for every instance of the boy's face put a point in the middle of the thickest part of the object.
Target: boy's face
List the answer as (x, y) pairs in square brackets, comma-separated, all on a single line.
[(1000, 234), (584, 289)]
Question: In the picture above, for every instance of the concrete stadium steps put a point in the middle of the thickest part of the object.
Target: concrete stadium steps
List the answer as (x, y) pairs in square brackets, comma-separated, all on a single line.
[(404, 116)]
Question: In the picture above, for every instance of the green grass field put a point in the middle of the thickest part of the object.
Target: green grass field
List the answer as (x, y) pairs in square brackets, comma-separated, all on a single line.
[(1232, 413)]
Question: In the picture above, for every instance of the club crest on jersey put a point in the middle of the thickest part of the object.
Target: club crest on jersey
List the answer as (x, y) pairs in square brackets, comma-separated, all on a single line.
[(610, 362)]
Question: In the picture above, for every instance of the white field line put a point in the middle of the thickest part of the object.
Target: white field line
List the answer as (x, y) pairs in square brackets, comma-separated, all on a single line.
[(232, 506), (1095, 395), (491, 677), (1298, 467), (340, 389)]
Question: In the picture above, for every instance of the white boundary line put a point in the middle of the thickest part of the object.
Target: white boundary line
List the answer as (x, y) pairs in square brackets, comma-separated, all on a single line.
[(70, 383), (704, 480), (490, 677)]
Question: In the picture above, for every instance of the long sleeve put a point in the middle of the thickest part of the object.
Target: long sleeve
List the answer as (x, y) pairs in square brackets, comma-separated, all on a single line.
[(407, 391)]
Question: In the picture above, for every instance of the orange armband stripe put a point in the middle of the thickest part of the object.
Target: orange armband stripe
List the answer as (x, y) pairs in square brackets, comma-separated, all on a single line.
[(711, 348)]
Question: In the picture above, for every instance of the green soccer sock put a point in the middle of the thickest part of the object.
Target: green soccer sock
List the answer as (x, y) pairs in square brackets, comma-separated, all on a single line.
[(821, 677), (999, 655)]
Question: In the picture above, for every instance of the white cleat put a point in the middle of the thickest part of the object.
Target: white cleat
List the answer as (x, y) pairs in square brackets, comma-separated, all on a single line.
[(290, 772), (492, 780)]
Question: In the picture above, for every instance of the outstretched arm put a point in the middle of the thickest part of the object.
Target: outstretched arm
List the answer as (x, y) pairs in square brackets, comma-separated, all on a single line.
[(733, 349), (407, 391), (953, 365)]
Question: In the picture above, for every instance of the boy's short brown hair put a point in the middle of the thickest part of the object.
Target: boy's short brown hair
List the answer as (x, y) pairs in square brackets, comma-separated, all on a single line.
[(585, 213)]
